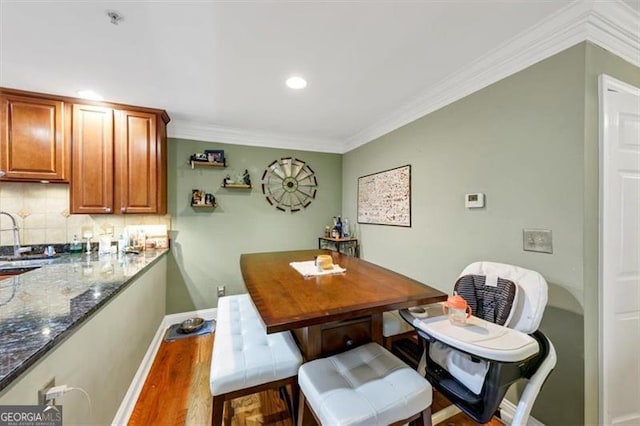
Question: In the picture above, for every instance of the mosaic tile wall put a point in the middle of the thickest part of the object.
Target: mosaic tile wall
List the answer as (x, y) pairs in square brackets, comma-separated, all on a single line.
[(42, 215)]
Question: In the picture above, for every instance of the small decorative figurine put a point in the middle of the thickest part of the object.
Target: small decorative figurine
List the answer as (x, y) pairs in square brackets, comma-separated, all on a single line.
[(246, 178), (195, 197)]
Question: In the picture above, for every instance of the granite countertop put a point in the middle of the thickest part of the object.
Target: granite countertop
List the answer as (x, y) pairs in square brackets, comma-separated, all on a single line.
[(41, 307)]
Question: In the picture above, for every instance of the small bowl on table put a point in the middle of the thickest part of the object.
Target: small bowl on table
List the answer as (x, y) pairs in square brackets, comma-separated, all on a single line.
[(191, 325)]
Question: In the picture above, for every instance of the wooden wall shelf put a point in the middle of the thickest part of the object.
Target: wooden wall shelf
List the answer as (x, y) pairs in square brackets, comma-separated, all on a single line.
[(204, 206), (207, 164), (236, 186)]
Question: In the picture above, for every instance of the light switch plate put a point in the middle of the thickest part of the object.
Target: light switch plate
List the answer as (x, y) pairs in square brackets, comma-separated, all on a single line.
[(537, 240)]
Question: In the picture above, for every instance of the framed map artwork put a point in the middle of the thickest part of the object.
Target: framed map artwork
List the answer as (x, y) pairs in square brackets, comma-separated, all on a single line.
[(384, 198)]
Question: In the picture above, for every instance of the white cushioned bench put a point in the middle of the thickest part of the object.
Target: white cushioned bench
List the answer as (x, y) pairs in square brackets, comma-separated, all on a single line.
[(365, 386), (246, 359)]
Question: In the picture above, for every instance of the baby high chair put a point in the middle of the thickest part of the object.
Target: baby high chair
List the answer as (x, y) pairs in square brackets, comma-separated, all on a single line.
[(473, 364)]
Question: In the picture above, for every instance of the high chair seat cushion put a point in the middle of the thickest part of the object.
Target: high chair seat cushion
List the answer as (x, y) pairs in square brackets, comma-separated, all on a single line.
[(490, 297), (363, 386), (528, 309)]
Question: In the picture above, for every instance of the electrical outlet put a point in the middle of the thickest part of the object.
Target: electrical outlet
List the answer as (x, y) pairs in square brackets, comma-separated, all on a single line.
[(537, 240), (221, 290), (42, 392)]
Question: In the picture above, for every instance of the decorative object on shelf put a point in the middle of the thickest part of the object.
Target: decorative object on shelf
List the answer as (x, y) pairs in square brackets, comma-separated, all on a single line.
[(210, 157), (289, 184), (384, 198), (202, 199), (243, 181), (346, 231)]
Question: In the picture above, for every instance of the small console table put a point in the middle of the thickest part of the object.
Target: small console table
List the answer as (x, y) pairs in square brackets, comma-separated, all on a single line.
[(347, 246)]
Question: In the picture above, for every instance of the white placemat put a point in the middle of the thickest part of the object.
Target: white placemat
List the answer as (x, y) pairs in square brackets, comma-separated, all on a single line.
[(309, 269)]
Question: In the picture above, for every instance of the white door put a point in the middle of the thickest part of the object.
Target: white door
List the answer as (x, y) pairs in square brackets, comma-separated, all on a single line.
[(620, 253)]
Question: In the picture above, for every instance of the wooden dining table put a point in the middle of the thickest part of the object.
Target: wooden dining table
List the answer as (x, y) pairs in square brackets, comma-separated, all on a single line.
[(328, 313)]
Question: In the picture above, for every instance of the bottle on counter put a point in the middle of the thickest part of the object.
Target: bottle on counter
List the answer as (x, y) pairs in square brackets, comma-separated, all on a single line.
[(75, 247), (123, 243), (339, 227), (346, 232)]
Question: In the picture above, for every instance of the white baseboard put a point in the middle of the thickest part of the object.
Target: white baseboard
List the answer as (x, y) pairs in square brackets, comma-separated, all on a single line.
[(131, 397), (508, 410)]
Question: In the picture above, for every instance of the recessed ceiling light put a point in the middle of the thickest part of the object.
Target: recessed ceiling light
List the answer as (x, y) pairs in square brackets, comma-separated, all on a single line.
[(296, 82), (90, 94)]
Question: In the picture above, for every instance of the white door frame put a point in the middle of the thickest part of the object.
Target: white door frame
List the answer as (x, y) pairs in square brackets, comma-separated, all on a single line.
[(605, 83)]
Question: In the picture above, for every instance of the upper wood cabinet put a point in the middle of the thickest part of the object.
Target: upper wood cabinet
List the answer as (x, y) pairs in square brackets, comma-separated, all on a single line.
[(34, 137), (92, 158), (119, 160), (141, 163), (114, 155)]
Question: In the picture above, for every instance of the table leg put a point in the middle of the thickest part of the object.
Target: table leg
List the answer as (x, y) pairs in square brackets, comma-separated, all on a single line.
[(310, 341), (376, 328)]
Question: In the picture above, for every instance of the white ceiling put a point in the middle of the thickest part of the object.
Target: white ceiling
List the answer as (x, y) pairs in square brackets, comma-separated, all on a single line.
[(218, 68)]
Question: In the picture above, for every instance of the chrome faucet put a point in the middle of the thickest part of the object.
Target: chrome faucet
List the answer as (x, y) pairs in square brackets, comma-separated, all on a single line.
[(16, 234)]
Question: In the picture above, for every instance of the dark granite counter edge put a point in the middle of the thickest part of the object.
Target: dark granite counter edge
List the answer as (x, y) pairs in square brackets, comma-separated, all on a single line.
[(13, 375)]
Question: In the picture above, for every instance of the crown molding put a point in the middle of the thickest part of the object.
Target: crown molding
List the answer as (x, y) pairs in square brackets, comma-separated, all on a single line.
[(186, 129), (611, 25), (615, 26)]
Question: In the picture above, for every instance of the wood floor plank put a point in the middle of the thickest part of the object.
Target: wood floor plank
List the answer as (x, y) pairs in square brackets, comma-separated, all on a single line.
[(176, 392)]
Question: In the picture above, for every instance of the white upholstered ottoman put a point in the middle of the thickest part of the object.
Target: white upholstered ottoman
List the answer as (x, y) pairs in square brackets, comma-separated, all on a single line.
[(364, 386), (245, 358)]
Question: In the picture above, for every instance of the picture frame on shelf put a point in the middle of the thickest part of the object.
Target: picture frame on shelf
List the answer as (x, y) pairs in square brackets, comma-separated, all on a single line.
[(215, 155), (202, 199)]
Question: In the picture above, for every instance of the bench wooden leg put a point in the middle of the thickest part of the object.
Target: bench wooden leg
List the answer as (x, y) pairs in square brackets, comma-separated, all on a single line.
[(218, 408), (301, 409), (295, 399), (426, 417)]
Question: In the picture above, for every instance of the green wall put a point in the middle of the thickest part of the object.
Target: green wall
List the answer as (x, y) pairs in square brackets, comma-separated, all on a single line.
[(206, 245), (530, 143)]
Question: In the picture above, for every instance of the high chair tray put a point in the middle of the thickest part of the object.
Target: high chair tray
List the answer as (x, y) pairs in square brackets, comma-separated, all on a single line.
[(478, 337)]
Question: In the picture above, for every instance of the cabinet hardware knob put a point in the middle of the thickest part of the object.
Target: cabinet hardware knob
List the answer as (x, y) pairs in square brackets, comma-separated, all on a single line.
[(107, 209), (123, 209), (348, 342)]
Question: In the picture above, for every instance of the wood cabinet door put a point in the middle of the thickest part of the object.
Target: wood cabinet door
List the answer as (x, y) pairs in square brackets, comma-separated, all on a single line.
[(34, 139), (137, 165), (92, 155)]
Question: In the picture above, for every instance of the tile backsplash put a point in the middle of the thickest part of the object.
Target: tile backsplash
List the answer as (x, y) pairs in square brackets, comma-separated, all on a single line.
[(42, 214)]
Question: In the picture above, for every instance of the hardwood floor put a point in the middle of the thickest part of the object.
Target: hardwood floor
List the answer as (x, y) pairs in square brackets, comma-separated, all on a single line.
[(176, 392)]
